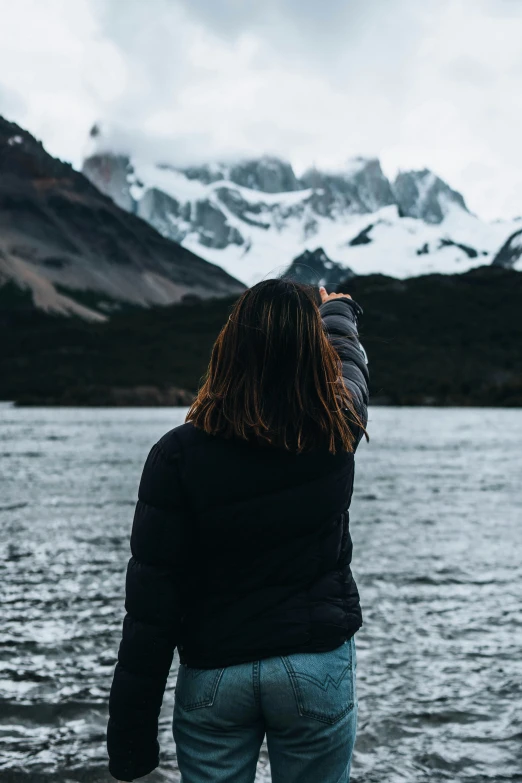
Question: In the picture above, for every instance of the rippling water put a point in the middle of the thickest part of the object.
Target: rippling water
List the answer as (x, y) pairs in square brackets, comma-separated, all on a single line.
[(437, 532)]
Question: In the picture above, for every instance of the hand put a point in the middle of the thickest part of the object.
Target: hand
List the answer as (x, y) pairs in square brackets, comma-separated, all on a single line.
[(327, 297)]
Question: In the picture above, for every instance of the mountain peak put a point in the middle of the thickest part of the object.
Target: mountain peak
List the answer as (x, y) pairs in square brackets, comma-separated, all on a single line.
[(510, 254), (357, 163), (268, 174), (75, 251), (313, 267), (422, 194), (21, 152), (357, 188), (253, 214)]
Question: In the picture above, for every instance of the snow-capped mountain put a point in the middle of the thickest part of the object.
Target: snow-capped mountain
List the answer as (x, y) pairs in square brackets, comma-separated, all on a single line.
[(253, 216), (423, 195)]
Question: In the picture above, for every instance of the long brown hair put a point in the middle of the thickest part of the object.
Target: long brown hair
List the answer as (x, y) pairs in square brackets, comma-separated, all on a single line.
[(273, 376)]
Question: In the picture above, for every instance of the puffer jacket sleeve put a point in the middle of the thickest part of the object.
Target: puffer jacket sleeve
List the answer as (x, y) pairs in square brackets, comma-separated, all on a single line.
[(340, 320), (151, 625)]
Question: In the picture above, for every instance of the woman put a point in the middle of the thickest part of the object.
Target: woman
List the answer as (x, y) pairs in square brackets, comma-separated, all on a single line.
[(241, 555)]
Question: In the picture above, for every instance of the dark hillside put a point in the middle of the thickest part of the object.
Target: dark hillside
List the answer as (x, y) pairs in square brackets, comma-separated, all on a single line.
[(62, 240), (444, 339), (436, 339)]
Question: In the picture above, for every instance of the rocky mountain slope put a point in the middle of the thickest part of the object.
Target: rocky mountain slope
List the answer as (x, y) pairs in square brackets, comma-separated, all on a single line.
[(510, 254), (253, 216), (76, 251), (315, 268)]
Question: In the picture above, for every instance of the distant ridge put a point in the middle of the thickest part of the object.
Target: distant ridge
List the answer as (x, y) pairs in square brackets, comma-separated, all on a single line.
[(76, 251), (253, 216)]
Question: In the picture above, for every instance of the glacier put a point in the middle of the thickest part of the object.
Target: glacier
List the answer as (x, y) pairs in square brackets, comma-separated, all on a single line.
[(253, 217)]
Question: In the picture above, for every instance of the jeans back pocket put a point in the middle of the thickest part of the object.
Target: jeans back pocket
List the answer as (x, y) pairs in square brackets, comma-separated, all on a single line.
[(197, 688), (324, 682)]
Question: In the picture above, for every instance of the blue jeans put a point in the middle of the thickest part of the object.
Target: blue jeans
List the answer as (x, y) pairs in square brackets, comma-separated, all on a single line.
[(305, 703)]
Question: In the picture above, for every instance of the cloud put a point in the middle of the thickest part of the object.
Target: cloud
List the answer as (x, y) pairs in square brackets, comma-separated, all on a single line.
[(432, 84)]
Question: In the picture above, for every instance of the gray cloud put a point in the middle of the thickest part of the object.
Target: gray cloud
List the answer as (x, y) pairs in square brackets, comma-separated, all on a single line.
[(362, 55), (11, 102), (432, 84)]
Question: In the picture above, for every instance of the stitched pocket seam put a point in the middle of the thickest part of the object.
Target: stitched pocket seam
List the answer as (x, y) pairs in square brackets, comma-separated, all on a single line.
[(208, 702), (294, 679)]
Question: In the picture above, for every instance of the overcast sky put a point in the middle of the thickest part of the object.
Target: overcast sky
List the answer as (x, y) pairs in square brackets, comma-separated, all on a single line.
[(434, 83)]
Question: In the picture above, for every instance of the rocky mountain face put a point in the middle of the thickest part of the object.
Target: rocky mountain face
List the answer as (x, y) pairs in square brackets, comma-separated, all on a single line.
[(76, 251), (510, 254), (361, 188), (253, 216), (423, 195), (169, 197), (315, 268)]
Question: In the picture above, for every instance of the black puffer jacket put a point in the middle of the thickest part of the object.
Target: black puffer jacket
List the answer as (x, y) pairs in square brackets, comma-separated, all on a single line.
[(239, 552)]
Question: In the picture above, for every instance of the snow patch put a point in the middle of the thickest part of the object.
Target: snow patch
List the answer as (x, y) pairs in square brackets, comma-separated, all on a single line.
[(278, 227), (516, 242), (424, 185), (393, 251), (178, 186)]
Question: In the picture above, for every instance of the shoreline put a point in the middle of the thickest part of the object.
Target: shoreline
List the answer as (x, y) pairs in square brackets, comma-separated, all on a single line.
[(150, 402)]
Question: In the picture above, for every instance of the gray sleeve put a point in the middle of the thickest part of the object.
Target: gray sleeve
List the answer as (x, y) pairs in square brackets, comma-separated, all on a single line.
[(340, 320)]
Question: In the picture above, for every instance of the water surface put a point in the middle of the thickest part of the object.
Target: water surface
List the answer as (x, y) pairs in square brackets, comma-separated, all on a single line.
[(436, 523)]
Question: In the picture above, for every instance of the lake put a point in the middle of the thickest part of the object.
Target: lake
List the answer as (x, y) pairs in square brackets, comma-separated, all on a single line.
[(437, 528)]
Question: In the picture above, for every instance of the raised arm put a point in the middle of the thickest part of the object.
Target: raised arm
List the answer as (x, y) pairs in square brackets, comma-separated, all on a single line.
[(151, 625), (340, 316)]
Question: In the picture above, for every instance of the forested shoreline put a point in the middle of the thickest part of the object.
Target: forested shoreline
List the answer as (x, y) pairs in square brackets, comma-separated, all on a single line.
[(431, 340)]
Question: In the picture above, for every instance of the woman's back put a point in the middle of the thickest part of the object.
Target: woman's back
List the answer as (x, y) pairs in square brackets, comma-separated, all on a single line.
[(267, 550), (241, 548)]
